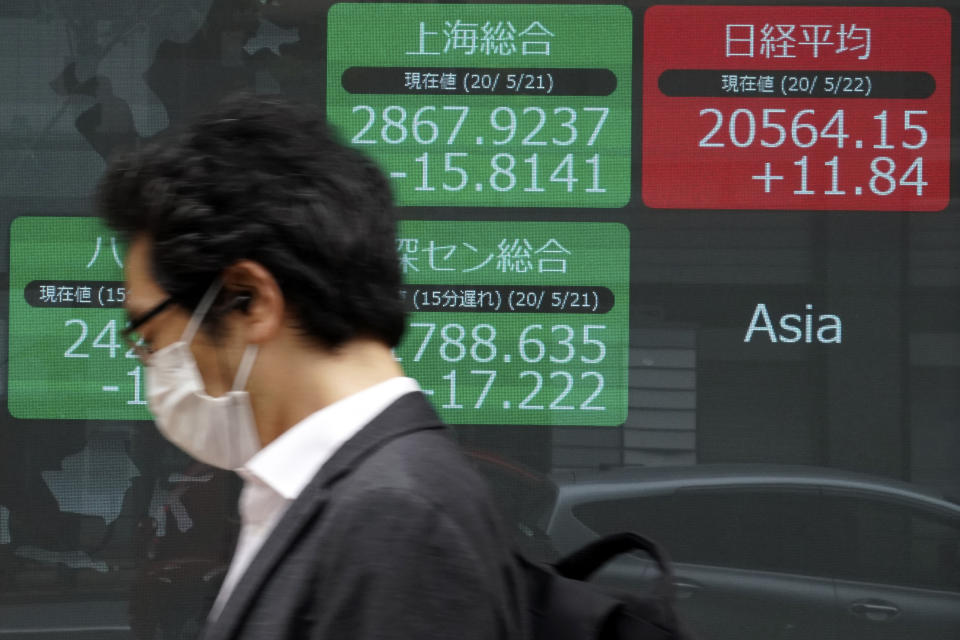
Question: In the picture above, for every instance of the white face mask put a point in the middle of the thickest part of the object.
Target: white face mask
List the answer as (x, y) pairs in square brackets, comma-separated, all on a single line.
[(219, 431)]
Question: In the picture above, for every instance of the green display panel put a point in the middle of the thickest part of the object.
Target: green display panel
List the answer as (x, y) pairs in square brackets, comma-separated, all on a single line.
[(486, 104), (518, 322), (510, 323), (67, 359)]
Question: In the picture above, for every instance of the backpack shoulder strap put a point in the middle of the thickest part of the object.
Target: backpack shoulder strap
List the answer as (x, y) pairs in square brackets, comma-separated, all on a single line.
[(562, 608), (584, 562)]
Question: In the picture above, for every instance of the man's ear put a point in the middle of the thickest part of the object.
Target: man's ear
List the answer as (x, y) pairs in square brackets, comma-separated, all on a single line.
[(258, 297)]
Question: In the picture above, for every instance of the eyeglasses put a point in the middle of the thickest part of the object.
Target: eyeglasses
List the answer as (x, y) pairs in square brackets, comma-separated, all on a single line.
[(133, 339)]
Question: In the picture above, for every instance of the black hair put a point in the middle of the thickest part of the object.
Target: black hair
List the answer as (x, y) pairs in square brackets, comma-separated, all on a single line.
[(264, 179)]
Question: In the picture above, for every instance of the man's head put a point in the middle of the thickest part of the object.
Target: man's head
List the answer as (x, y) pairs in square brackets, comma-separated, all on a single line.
[(262, 180), (296, 234)]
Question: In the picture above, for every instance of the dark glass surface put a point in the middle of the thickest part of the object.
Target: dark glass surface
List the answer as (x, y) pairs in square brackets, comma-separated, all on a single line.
[(107, 531)]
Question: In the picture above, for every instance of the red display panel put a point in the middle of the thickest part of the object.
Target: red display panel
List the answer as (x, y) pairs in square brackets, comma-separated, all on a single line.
[(811, 108)]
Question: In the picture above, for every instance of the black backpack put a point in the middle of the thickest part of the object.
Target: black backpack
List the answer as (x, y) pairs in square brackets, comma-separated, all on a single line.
[(564, 607)]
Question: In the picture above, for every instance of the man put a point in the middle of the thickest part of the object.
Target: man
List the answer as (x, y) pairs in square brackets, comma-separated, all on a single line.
[(263, 296)]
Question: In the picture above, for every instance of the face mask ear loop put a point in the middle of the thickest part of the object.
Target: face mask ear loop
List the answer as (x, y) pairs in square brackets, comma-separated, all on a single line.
[(246, 364), (198, 314)]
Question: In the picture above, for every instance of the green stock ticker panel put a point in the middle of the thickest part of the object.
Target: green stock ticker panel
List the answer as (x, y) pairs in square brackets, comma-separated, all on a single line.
[(518, 322), (67, 359), (487, 104), (510, 323)]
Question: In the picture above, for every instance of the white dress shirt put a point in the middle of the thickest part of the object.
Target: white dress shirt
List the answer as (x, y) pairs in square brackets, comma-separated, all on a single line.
[(278, 473)]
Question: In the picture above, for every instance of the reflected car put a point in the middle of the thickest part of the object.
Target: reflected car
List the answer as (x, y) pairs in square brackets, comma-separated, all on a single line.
[(524, 498), (768, 552)]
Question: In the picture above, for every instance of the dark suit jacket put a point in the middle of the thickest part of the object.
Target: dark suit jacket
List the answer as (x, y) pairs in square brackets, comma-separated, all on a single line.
[(395, 538)]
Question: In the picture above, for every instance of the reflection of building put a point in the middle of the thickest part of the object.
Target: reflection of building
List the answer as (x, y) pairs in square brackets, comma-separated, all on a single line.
[(661, 426), (93, 521), (881, 401)]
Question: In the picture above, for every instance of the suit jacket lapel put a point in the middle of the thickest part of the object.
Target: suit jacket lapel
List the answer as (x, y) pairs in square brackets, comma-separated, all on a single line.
[(410, 413)]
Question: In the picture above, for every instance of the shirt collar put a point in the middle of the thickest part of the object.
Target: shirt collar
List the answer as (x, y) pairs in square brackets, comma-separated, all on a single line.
[(287, 464)]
